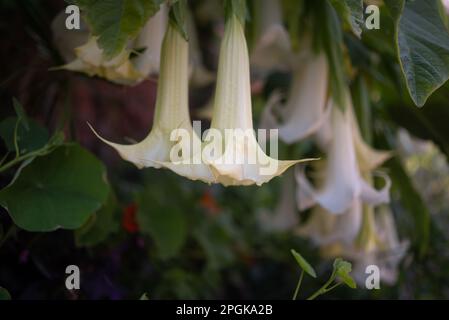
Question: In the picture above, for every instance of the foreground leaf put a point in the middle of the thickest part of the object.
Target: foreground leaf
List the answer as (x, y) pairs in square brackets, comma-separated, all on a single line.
[(60, 190), (342, 269), (303, 263)]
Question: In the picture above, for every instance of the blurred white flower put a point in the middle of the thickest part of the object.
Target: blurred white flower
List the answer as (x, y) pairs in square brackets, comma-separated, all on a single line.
[(273, 49), (306, 108), (171, 118), (343, 182)]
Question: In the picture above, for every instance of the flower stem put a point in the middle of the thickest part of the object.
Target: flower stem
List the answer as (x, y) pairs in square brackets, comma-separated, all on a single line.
[(298, 285), (324, 288)]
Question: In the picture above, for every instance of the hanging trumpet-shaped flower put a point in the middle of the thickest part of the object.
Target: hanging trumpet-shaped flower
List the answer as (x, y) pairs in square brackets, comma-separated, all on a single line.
[(305, 110), (285, 214), (343, 182), (232, 151), (167, 144), (122, 69), (273, 49)]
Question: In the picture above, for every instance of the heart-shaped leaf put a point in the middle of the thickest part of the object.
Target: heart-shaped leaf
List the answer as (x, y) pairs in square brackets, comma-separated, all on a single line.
[(60, 190)]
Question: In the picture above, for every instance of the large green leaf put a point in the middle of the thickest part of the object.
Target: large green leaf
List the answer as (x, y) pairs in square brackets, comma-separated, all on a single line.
[(423, 46), (350, 11), (100, 225), (161, 215), (115, 22), (60, 190)]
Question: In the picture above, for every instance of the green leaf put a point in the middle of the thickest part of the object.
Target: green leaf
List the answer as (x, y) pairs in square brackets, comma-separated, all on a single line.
[(28, 139), (21, 115), (331, 40), (303, 264), (162, 217), (60, 190), (351, 12), (116, 22), (100, 225), (423, 46), (342, 269), (4, 294)]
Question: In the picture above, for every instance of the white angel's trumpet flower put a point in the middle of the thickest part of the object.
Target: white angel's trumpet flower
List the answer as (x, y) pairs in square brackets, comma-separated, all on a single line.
[(285, 214), (377, 244), (343, 182), (273, 49), (233, 152), (306, 108), (89, 57), (171, 120)]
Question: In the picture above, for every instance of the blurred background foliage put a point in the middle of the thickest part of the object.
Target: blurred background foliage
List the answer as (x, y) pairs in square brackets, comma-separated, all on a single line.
[(133, 232)]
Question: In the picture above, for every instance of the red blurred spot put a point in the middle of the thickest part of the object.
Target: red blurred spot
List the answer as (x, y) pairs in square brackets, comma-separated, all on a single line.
[(208, 202), (129, 222)]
